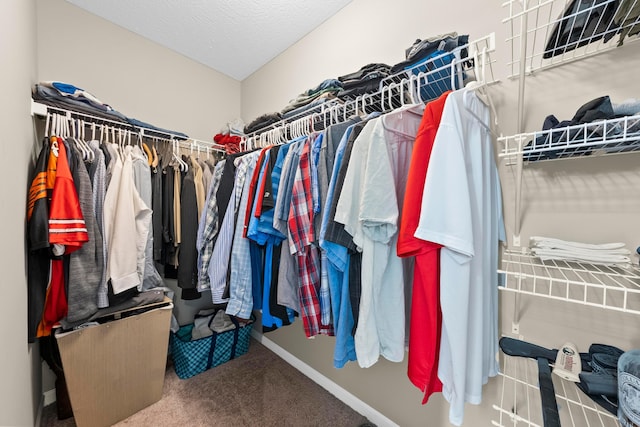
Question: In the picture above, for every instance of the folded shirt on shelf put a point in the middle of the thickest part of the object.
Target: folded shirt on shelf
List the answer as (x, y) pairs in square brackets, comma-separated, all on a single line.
[(329, 99), (594, 258), (553, 243), (46, 94), (262, 121), (568, 138), (332, 86), (366, 80), (422, 49), (547, 248), (432, 59), (69, 97)]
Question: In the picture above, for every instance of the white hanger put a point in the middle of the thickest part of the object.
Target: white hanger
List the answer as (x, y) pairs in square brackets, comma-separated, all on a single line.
[(480, 88), (54, 125), (184, 167), (83, 139), (65, 128), (74, 136), (300, 124), (46, 125), (139, 142), (80, 139)]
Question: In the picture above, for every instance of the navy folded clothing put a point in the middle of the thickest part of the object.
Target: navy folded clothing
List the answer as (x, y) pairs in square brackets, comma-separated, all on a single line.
[(364, 71), (594, 110), (53, 97), (366, 80), (69, 97), (421, 49), (582, 22)]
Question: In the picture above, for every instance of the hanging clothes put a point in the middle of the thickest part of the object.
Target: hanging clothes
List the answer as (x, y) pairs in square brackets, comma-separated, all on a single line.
[(462, 211), (337, 266), (262, 231), (208, 229), (344, 254), (67, 233), (369, 208), (425, 314), (39, 260), (187, 253), (98, 172), (240, 302), (142, 181), (86, 265), (127, 222), (300, 238)]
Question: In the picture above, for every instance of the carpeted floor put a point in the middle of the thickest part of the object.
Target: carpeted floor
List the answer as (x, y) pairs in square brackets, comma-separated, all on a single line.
[(258, 388)]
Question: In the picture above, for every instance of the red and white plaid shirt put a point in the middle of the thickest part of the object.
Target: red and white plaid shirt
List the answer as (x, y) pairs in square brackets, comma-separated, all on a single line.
[(300, 238)]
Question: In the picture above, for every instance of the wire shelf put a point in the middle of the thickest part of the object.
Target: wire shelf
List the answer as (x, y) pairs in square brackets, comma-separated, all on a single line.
[(520, 403), (614, 136), (561, 31), (42, 110), (612, 288), (418, 84)]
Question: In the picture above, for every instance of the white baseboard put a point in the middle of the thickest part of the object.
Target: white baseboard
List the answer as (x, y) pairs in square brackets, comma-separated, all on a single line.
[(49, 397), (342, 394)]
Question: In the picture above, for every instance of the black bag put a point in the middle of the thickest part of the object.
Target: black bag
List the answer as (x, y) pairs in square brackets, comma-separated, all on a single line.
[(583, 22)]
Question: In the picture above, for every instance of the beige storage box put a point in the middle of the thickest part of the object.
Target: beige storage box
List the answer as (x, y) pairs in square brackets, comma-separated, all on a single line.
[(115, 369)]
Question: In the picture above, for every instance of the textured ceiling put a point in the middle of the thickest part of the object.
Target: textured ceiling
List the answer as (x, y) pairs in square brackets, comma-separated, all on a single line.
[(235, 37)]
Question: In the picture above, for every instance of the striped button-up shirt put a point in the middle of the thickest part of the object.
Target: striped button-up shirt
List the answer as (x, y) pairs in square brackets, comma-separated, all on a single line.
[(208, 229)]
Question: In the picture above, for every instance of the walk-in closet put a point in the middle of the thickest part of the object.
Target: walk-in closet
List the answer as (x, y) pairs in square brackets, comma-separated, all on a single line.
[(346, 213)]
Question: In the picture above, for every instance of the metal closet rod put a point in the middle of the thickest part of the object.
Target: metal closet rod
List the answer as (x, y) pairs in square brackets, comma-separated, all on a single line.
[(38, 109)]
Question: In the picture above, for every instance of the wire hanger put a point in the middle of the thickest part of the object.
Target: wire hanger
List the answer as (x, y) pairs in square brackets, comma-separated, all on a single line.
[(182, 165), (80, 137), (483, 95)]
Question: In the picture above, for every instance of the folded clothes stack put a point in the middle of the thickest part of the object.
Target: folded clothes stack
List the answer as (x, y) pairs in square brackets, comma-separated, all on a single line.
[(566, 138), (365, 80), (547, 248), (262, 122), (422, 50), (431, 59), (327, 89), (68, 96), (207, 323)]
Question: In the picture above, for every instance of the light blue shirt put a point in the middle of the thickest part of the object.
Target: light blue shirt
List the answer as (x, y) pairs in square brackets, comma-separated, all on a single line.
[(315, 183)]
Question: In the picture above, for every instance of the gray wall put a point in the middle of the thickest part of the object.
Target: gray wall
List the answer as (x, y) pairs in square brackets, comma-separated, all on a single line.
[(20, 375), (135, 76), (590, 199)]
